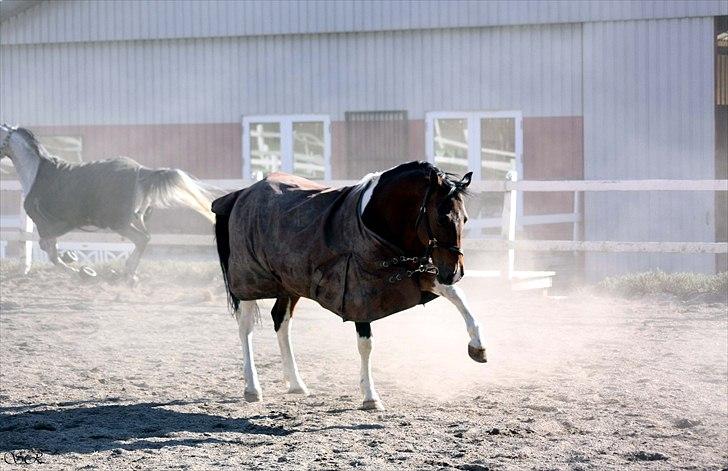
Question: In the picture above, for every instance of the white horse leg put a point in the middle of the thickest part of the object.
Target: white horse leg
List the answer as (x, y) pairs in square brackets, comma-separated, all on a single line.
[(456, 295), (282, 312), (246, 319), (366, 383), (49, 246)]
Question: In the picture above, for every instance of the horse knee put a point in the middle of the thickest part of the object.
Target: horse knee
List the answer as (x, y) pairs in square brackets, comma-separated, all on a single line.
[(246, 316)]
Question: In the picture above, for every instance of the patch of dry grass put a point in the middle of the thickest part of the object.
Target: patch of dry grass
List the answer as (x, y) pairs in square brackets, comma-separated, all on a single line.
[(685, 286)]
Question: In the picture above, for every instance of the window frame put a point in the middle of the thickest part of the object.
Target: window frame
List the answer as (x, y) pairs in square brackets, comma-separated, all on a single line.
[(286, 128), (474, 150)]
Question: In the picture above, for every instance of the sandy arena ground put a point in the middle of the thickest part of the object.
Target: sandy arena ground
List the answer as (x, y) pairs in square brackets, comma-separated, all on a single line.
[(108, 377)]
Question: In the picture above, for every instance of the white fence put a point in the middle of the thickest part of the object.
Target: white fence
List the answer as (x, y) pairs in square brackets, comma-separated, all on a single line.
[(20, 228)]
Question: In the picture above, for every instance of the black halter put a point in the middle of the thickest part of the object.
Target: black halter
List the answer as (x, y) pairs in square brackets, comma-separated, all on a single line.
[(432, 240), (424, 262)]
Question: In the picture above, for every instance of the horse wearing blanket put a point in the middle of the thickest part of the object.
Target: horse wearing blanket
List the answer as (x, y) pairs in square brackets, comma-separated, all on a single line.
[(363, 252), (115, 194)]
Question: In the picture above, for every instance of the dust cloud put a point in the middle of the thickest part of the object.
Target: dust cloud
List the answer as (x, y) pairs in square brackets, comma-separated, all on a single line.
[(105, 375)]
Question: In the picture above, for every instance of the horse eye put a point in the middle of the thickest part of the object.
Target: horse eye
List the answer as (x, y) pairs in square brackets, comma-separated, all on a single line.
[(465, 219)]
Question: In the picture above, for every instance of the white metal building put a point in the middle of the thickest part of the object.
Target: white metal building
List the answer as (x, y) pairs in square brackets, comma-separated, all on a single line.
[(554, 89)]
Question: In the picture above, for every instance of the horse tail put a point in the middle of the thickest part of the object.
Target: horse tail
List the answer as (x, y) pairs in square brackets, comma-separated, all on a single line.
[(222, 207), (168, 187)]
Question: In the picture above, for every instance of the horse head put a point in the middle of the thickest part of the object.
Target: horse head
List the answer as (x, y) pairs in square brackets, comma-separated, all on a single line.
[(440, 224), (5, 133), (421, 209), (24, 151)]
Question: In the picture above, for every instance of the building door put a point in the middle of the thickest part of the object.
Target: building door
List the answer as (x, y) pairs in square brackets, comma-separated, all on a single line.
[(297, 144), (375, 140), (489, 144)]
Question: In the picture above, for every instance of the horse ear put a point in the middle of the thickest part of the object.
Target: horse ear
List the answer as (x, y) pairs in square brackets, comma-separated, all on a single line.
[(465, 181)]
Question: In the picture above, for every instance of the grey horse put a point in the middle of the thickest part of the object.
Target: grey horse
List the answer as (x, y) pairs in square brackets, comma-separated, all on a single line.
[(115, 194)]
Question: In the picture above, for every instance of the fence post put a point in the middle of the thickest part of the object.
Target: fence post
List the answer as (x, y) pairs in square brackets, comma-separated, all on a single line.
[(578, 217), (508, 228), (26, 244)]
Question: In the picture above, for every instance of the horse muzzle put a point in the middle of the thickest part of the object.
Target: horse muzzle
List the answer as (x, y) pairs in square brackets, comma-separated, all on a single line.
[(449, 277)]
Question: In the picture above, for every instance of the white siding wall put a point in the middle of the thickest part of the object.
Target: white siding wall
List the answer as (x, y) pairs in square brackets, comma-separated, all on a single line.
[(82, 20), (648, 113), (535, 69)]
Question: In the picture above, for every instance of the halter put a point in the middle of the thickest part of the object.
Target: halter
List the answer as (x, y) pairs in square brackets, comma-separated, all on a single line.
[(432, 240), (424, 262)]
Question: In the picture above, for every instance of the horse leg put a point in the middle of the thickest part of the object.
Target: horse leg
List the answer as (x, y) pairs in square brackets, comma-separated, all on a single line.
[(456, 295), (140, 238), (140, 218), (138, 222), (366, 383), (246, 319), (49, 246), (282, 316)]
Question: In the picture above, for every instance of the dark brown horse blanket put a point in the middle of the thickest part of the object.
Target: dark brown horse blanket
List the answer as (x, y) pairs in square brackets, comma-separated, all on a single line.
[(65, 196), (289, 236)]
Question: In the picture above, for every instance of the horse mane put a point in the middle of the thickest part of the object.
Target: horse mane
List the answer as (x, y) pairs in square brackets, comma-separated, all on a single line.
[(426, 168), (32, 141)]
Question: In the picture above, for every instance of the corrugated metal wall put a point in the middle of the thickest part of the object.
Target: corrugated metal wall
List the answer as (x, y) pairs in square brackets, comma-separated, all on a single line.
[(647, 98), (648, 113), (535, 69), (81, 20)]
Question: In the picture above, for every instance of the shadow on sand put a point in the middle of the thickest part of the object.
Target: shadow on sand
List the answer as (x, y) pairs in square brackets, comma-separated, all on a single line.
[(82, 429)]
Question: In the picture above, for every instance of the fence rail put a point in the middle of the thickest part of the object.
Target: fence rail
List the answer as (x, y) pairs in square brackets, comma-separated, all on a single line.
[(20, 229), (502, 186), (468, 244), (597, 246)]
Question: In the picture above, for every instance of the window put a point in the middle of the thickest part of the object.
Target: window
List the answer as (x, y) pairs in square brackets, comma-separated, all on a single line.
[(297, 144), (375, 140), (488, 144)]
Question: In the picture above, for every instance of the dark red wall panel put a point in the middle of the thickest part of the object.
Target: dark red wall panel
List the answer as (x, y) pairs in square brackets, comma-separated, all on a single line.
[(553, 149), (211, 150)]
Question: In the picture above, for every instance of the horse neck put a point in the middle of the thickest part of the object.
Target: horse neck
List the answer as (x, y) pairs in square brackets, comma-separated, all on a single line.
[(26, 162), (392, 212)]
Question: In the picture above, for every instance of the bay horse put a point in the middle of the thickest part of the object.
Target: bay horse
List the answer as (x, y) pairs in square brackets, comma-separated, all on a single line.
[(363, 252), (115, 194)]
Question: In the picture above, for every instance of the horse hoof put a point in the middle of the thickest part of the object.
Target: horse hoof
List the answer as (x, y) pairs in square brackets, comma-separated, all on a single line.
[(86, 272), (69, 256), (132, 280), (252, 396), (477, 354), (372, 405), (303, 390)]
